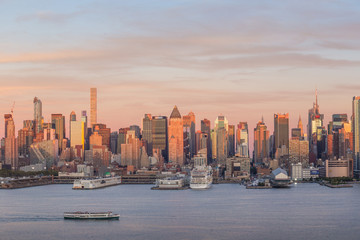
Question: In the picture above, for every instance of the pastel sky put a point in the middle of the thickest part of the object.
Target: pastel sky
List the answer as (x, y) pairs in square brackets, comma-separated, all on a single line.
[(243, 59)]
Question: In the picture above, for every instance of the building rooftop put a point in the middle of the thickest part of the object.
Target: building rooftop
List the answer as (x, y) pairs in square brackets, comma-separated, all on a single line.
[(175, 113)]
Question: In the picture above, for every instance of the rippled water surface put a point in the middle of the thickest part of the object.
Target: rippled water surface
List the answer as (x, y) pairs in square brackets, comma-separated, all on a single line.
[(227, 211)]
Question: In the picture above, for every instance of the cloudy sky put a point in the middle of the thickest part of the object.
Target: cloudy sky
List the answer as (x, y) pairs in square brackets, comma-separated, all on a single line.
[(243, 59)]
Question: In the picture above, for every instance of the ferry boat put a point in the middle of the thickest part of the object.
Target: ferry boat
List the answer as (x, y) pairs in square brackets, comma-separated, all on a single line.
[(89, 216), (87, 184), (170, 183), (201, 177)]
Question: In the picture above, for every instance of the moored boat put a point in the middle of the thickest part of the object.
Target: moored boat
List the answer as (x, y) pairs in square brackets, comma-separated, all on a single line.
[(89, 184), (201, 177), (89, 216)]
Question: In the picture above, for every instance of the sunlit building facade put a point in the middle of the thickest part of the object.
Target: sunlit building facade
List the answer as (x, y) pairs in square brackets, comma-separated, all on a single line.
[(176, 138)]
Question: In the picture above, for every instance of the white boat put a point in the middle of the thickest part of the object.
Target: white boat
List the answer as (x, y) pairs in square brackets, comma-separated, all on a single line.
[(88, 184), (170, 183), (89, 216), (201, 177)]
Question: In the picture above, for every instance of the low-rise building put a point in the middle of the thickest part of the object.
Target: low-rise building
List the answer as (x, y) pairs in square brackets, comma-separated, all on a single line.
[(310, 173), (296, 172), (337, 168), (238, 167)]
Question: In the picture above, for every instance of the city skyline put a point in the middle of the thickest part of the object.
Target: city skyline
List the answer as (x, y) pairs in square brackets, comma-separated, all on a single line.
[(269, 123), (210, 59)]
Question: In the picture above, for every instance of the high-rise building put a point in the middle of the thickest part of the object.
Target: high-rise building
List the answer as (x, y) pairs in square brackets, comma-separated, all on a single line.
[(104, 132), (281, 131), (221, 145), (147, 133), (189, 135), (160, 135), (95, 140), (137, 130), (231, 142), (11, 151), (77, 133), (25, 139), (242, 139), (222, 122), (300, 126), (201, 141), (315, 121), (93, 106), (206, 128), (84, 119), (121, 138), (58, 121), (176, 138), (38, 118), (29, 124), (261, 142), (356, 134), (113, 142)]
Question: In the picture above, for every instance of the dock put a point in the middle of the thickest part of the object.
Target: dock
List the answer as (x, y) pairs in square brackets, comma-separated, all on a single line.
[(259, 187), (27, 182)]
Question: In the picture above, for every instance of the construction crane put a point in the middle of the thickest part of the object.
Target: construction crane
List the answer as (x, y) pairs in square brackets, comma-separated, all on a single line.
[(12, 108)]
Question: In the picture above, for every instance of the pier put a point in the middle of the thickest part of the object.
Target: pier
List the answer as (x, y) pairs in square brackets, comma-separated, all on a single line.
[(27, 182)]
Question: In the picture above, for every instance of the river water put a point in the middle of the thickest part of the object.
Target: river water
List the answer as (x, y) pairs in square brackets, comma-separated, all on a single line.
[(226, 211)]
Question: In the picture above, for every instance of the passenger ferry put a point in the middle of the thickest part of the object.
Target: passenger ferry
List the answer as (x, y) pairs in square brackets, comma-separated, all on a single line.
[(201, 177), (87, 184), (89, 216), (170, 183)]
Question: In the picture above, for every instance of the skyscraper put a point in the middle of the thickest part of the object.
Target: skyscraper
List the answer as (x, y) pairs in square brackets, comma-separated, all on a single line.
[(77, 134), (38, 118), (147, 133), (222, 122), (315, 121), (84, 119), (221, 145), (58, 121), (356, 133), (261, 142), (121, 138), (206, 128), (160, 135), (189, 135), (93, 106), (242, 139), (11, 151), (281, 131), (231, 140), (176, 138), (300, 125)]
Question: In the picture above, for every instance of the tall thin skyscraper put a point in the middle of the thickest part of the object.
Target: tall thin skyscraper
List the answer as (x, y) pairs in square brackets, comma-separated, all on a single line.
[(11, 151), (206, 128), (176, 138), (93, 106), (190, 137), (231, 140), (147, 133), (356, 134), (38, 118)]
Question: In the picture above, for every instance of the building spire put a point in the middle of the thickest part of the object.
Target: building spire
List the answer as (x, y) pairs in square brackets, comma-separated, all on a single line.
[(262, 118), (316, 96)]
